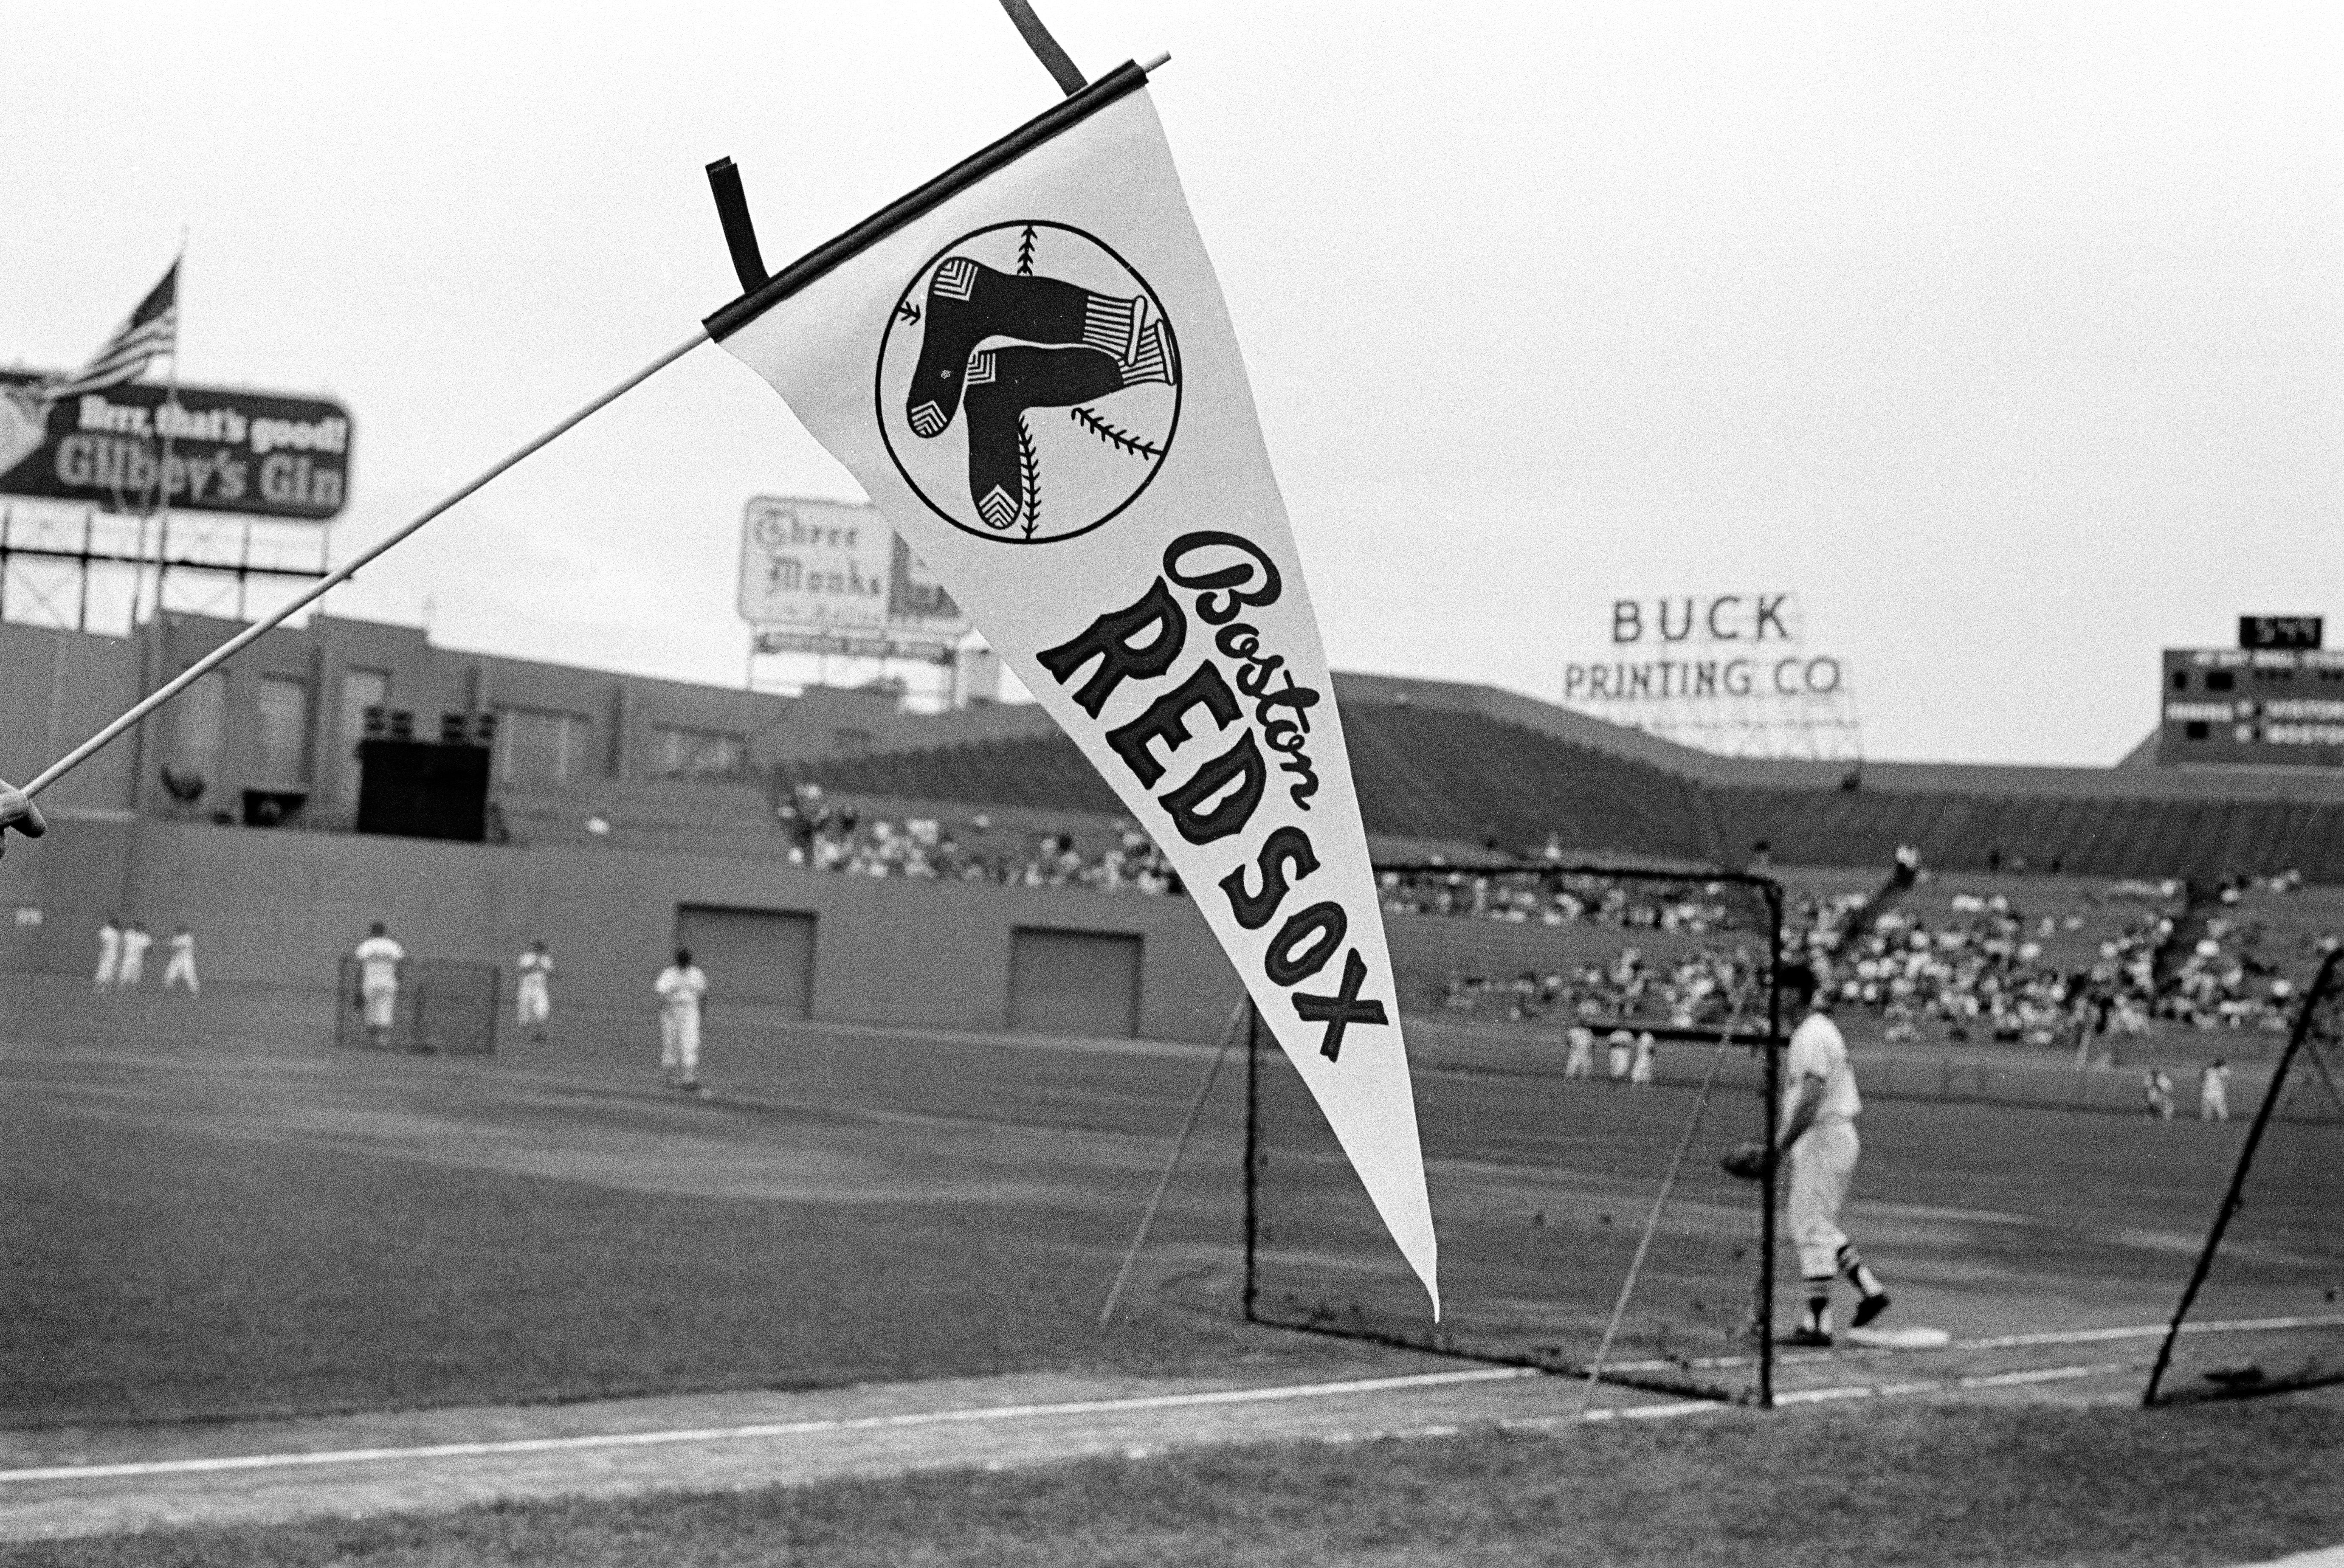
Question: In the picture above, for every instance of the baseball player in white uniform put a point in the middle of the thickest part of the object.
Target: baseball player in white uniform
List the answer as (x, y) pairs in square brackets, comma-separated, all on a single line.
[(1820, 1106), (109, 956), (1641, 1072), (378, 960), (135, 943), (2214, 1092), (1617, 1046), (680, 986), (180, 968), (1580, 1063), (533, 993)]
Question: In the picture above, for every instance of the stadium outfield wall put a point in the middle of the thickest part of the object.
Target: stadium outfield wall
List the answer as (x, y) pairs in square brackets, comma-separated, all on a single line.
[(279, 908)]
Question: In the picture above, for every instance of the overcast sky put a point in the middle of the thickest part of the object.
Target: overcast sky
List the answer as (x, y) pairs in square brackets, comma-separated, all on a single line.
[(2007, 335)]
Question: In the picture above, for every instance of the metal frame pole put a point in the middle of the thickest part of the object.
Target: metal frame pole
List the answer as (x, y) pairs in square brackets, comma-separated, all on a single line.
[(1238, 1017), (1767, 1241), (2297, 1039), (1252, 1152)]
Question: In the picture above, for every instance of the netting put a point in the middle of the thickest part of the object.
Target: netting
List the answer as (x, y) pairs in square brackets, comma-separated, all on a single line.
[(1564, 1029), (2264, 1309), (443, 1005)]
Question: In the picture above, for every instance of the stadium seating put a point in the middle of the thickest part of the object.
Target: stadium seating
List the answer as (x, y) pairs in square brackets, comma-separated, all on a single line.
[(1451, 775), (1431, 774), (698, 818), (2105, 837)]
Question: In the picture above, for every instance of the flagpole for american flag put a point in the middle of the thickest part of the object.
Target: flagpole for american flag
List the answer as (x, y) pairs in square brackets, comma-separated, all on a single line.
[(170, 400)]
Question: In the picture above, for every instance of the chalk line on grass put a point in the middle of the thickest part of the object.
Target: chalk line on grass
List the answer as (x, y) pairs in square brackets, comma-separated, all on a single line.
[(1067, 1408), (1192, 1400), (2023, 1341)]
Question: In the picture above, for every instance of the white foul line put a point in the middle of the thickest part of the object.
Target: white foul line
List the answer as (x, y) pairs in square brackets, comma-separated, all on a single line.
[(2018, 1341), (1656, 1412), (1675, 1408), (766, 1430)]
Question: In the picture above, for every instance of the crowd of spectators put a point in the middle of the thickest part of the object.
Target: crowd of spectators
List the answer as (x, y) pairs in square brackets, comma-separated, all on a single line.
[(1687, 987), (1984, 971), (1689, 904), (2104, 963), (823, 837), (1968, 966)]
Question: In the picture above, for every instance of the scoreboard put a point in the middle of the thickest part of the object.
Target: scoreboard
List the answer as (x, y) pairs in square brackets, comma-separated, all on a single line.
[(2267, 706)]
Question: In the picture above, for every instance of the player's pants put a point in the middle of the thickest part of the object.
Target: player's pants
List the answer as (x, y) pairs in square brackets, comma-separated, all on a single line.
[(680, 1045), (134, 969), (2214, 1105), (381, 1004), (106, 966), (534, 1001), (181, 970), (1580, 1064), (1823, 1163), (1618, 1064)]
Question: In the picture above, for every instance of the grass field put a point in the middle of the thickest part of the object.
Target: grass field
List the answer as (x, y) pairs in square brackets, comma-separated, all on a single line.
[(1943, 1485), (214, 1214)]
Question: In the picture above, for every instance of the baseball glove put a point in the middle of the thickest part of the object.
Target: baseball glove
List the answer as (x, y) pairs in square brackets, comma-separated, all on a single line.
[(1748, 1159)]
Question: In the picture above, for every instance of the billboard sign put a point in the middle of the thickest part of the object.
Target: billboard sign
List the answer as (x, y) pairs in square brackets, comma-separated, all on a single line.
[(812, 571), (1728, 672), (2255, 707), (252, 454)]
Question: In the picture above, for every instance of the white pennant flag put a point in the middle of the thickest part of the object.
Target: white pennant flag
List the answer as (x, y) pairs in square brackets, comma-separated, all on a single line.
[(1028, 366)]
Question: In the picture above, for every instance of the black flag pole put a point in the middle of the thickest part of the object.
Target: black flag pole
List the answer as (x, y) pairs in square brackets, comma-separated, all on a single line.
[(1054, 60), (740, 233)]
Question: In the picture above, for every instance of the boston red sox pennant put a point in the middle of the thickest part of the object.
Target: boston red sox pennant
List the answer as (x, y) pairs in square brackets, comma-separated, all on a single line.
[(1028, 366)]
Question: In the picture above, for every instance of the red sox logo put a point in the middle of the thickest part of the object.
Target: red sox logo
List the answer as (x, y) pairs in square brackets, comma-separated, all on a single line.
[(1028, 383)]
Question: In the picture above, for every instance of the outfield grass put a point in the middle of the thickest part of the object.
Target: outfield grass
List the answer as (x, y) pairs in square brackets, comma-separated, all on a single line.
[(212, 1214), (169, 1277), (1883, 1485)]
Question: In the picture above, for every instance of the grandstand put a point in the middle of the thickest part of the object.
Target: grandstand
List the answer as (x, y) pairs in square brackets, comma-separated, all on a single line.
[(1479, 769)]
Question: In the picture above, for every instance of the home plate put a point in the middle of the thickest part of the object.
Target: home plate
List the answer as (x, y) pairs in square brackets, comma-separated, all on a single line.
[(1898, 1338)]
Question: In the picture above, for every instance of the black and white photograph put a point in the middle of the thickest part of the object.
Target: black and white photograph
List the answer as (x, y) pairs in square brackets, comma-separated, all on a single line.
[(1076, 782)]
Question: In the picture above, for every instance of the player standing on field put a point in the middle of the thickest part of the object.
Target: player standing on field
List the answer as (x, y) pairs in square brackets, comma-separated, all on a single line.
[(181, 968), (2214, 1092), (1617, 1045), (680, 986), (1820, 1106), (1580, 1063), (1641, 1073), (135, 943), (378, 960), (533, 993), (109, 956)]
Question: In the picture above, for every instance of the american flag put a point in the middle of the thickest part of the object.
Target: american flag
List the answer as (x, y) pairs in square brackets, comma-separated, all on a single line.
[(153, 328)]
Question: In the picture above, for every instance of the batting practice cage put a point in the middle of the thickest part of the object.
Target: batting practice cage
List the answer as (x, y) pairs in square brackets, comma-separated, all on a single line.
[(1585, 1223), (443, 1005), (2263, 1308)]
